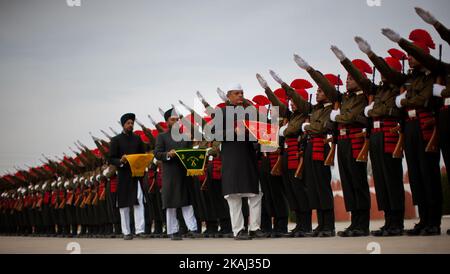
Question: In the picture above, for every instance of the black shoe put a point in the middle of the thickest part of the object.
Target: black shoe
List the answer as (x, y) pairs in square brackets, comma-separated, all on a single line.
[(301, 234), (378, 233), (258, 234), (346, 233), (393, 232), (360, 232), (193, 235), (128, 237), (176, 237), (242, 236), (141, 236), (416, 231), (448, 232), (225, 234), (291, 233), (276, 234), (314, 233), (431, 231), (326, 234)]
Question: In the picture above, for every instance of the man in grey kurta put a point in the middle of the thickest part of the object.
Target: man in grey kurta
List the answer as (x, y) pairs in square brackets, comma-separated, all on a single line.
[(175, 192)]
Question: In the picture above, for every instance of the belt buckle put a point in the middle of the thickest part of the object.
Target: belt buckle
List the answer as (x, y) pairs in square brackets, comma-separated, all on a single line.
[(377, 124), (447, 102), (343, 132), (412, 113)]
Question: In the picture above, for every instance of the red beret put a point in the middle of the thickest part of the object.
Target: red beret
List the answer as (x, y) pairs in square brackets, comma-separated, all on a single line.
[(394, 63), (141, 134), (397, 54), (333, 79), (301, 84), (420, 35), (362, 66), (261, 100), (97, 153), (155, 132), (422, 46), (163, 125), (281, 94), (303, 93)]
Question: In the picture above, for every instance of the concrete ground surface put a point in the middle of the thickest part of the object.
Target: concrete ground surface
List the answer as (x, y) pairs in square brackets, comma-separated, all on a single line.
[(336, 245)]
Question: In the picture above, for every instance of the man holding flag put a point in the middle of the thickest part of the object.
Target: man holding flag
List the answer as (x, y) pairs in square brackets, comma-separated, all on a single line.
[(129, 190), (175, 192)]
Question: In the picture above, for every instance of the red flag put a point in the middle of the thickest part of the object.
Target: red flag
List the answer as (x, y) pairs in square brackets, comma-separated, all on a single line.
[(266, 134)]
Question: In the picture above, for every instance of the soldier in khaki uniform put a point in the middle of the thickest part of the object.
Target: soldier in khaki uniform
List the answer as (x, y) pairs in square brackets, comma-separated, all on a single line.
[(423, 166), (295, 188), (387, 170), (316, 174), (351, 124)]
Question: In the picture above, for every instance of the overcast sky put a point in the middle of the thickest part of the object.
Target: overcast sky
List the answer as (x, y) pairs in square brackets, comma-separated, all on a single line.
[(66, 71)]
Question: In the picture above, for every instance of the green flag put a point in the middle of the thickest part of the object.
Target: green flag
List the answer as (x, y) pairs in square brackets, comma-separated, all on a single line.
[(193, 160)]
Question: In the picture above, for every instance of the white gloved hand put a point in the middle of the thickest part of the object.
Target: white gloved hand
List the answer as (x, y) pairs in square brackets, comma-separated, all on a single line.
[(105, 172), (222, 95), (300, 62), (426, 16), (333, 114), (368, 108), (437, 90), (262, 81), (282, 129), (392, 35), (398, 100), (363, 45), (339, 54), (200, 96), (304, 125), (276, 77)]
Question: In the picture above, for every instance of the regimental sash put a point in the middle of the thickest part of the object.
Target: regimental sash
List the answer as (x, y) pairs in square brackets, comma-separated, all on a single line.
[(138, 163), (193, 160)]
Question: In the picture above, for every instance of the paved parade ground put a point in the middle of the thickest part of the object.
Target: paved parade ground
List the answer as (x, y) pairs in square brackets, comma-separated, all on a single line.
[(336, 245)]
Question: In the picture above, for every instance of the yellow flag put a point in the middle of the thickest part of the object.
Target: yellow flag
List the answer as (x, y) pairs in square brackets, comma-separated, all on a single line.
[(138, 163)]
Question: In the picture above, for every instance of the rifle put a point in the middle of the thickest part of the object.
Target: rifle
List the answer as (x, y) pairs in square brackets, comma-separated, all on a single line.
[(329, 161), (95, 199), (303, 140), (363, 155), (300, 167), (433, 144), (62, 203), (70, 199), (277, 169)]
